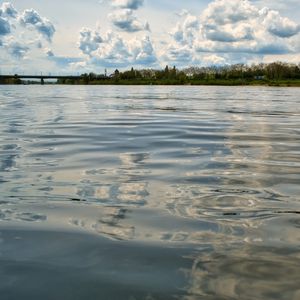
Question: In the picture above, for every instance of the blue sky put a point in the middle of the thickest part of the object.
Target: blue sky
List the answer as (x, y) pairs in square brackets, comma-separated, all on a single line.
[(75, 36)]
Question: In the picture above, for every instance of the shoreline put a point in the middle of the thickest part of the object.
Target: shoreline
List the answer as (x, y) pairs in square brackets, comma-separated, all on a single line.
[(295, 83)]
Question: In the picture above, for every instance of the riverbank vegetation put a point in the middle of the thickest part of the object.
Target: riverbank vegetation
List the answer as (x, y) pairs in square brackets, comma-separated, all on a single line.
[(273, 74)]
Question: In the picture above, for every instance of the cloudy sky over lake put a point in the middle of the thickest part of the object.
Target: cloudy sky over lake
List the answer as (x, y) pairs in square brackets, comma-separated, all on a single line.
[(75, 36)]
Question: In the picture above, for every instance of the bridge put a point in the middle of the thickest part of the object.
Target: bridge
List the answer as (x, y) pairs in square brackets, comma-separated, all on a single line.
[(42, 78)]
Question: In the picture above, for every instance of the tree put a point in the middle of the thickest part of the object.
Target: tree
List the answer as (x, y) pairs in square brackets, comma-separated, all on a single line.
[(173, 73), (166, 73)]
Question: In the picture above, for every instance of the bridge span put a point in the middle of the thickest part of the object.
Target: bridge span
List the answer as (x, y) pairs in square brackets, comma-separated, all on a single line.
[(39, 77)]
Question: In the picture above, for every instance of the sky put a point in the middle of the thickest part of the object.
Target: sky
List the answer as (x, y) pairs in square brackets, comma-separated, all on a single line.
[(78, 36)]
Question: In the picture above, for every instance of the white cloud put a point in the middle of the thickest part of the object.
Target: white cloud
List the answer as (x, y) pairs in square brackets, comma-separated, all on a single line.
[(253, 47), (233, 26), (20, 34), (214, 60), (17, 49), (282, 5), (237, 20), (186, 31), (4, 27), (31, 18), (113, 50), (125, 20), (8, 10), (179, 54), (128, 4), (143, 51), (228, 33), (277, 25), (89, 40), (221, 12)]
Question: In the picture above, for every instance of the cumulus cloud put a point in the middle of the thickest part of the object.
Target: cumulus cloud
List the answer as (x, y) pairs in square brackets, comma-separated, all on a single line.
[(179, 55), (143, 51), (228, 33), (253, 47), (17, 49), (4, 27), (31, 18), (113, 50), (20, 33), (128, 4), (89, 40), (237, 20), (125, 20), (223, 12), (277, 25), (232, 26), (185, 32), (228, 21), (8, 10), (124, 17)]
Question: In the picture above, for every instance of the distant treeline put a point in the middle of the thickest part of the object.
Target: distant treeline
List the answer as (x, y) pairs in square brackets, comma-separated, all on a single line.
[(277, 73)]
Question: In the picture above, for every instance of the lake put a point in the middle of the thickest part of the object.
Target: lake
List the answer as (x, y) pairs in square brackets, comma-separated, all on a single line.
[(149, 192)]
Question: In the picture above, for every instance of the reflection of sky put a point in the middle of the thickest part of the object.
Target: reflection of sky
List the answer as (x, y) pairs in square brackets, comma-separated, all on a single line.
[(246, 272), (259, 265)]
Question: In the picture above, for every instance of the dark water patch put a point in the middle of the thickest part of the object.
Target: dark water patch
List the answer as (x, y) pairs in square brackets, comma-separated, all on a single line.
[(76, 266)]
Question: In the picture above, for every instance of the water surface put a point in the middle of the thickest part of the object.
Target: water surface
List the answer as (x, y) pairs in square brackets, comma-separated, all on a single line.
[(181, 192)]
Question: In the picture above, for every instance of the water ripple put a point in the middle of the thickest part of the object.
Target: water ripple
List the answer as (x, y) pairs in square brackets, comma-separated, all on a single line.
[(208, 174)]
